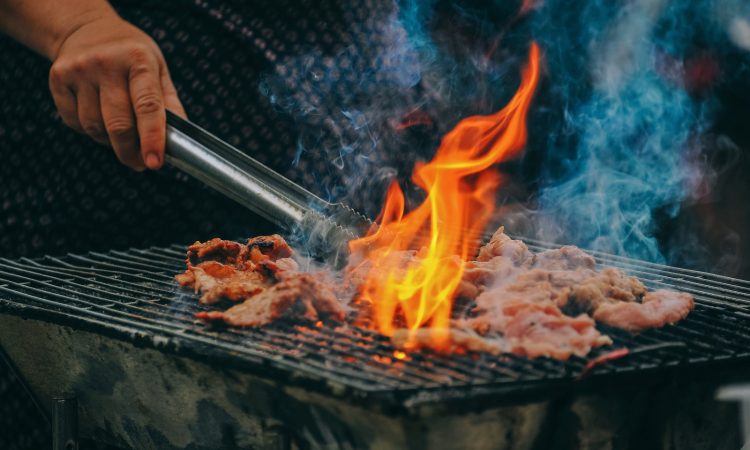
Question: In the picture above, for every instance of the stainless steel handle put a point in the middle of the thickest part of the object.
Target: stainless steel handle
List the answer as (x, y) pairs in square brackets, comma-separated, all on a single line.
[(236, 175)]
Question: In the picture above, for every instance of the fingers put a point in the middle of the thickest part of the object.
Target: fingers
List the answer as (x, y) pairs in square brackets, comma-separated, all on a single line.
[(119, 121), (119, 96), (64, 99), (148, 105), (89, 113)]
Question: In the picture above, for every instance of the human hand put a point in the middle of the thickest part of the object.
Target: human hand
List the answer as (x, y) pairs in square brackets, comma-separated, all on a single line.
[(109, 80)]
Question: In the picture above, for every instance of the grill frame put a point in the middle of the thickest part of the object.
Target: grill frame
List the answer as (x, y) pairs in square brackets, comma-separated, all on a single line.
[(55, 289)]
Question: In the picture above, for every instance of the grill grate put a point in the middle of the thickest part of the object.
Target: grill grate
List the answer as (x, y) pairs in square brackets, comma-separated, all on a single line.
[(131, 295)]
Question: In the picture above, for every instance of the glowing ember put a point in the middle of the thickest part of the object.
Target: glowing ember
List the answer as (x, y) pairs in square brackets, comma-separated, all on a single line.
[(398, 354), (417, 290)]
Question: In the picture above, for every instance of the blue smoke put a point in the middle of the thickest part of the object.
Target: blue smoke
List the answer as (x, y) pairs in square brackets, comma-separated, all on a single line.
[(627, 116)]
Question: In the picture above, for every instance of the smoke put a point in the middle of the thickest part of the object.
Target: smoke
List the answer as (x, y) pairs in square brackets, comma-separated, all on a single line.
[(634, 115), (367, 109)]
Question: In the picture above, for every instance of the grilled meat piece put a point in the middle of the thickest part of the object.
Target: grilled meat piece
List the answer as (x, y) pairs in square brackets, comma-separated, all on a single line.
[(657, 309), (501, 244), (306, 295), (216, 281), (227, 252), (528, 329), (235, 271), (274, 247), (568, 278), (512, 300), (580, 290), (543, 330), (489, 271), (533, 325), (454, 341), (568, 257)]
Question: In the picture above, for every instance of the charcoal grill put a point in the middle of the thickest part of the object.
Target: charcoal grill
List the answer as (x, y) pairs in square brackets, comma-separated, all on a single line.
[(116, 329)]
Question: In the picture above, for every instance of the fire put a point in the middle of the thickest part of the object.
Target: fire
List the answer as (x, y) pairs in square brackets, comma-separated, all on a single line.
[(415, 261)]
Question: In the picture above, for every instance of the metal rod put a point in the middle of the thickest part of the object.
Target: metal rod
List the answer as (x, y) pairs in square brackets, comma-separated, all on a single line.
[(236, 175)]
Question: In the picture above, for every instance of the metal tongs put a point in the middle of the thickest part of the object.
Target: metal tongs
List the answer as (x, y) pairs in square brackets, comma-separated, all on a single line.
[(327, 227)]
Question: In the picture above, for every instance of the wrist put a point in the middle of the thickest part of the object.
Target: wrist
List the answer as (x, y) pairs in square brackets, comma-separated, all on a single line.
[(70, 25)]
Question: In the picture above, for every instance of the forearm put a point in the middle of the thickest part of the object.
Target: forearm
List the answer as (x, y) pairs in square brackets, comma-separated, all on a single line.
[(43, 25)]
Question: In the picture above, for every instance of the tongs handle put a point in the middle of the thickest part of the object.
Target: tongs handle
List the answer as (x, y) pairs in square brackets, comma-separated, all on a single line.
[(221, 166)]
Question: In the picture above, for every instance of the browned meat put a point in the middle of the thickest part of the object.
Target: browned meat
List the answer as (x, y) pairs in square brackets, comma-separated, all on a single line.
[(228, 252), (657, 309), (285, 264), (274, 247), (216, 281), (302, 294), (234, 271)]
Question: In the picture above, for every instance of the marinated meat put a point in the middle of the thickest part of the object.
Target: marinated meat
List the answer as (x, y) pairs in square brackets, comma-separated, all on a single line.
[(657, 309), (273, 247), (216, 281), (511, 300), (233, 271), (305, 295), (228, 252)]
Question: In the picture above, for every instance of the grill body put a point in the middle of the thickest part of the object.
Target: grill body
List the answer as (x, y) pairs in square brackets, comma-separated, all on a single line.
[(114, 328)]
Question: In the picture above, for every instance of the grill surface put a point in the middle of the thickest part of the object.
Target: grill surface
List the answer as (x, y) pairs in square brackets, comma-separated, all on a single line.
[(131, 295)]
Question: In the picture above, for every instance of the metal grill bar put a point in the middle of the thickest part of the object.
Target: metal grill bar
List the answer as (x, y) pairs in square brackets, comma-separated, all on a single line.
[(132, 294)]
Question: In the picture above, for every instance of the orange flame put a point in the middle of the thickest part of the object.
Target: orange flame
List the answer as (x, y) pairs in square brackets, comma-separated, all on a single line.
[(418, 289)]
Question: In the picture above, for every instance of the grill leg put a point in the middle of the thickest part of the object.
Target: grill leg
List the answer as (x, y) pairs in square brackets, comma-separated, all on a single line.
[(65, 423), (739, 393), (745, 408)]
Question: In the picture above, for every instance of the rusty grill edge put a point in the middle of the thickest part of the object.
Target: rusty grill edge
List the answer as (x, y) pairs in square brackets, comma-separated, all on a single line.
[(130, 295)]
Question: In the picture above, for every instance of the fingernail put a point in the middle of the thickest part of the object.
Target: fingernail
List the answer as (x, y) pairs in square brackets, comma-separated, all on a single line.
[(152, 161)]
